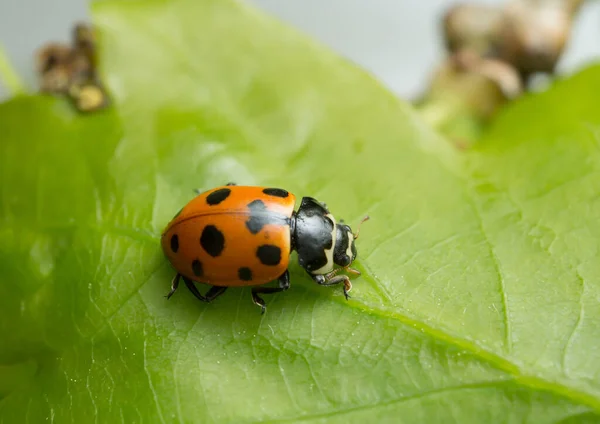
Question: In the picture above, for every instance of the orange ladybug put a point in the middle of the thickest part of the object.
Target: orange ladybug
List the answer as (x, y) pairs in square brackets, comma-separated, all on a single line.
[(234, 236)]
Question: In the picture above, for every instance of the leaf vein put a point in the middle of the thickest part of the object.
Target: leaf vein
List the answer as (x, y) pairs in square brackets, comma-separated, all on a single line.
[(498, 270), (577, 325), (494, 384)]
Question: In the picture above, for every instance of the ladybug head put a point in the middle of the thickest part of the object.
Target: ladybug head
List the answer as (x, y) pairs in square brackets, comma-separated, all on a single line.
[(345, 248)]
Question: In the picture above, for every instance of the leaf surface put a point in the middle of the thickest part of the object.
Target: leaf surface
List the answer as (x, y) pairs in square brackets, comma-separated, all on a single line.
[(479, 299)]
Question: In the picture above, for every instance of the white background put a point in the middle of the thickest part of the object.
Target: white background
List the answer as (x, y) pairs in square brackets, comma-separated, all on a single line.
[(396, 40)]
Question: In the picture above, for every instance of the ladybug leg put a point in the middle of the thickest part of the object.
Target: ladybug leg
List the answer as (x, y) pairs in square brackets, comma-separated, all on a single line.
[(212, 294), (284, 284), (174, 285), (231, 184), (192, 287), (333, 280)]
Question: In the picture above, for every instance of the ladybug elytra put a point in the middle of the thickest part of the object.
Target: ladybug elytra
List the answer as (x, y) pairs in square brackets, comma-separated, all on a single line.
[(234, 236)]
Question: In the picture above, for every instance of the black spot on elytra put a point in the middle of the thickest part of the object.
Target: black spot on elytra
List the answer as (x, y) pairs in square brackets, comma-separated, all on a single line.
[(197, 268), (174, 243), (269, 254), (258, 216), (212, 240), (218, 196), (277, 192), (261, 216), (245, 274)]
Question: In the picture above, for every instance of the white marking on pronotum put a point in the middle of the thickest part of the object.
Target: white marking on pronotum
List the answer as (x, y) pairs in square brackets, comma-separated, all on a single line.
[(328, 267), (349, 248)]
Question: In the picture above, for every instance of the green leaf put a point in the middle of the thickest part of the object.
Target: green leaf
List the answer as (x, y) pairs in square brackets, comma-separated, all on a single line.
[(479, 299), (8, 77)]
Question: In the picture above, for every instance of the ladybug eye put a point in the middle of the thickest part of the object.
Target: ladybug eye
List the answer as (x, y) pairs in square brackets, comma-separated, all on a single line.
[(346, 260)]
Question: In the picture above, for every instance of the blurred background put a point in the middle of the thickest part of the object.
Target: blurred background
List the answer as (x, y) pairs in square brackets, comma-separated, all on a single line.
[(399, 41)]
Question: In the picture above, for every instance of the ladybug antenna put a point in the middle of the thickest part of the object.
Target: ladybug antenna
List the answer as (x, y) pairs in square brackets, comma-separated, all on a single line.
[(366, 218)]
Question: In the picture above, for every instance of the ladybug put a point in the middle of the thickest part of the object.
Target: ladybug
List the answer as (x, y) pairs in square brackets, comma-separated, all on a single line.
[(235, 236)]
